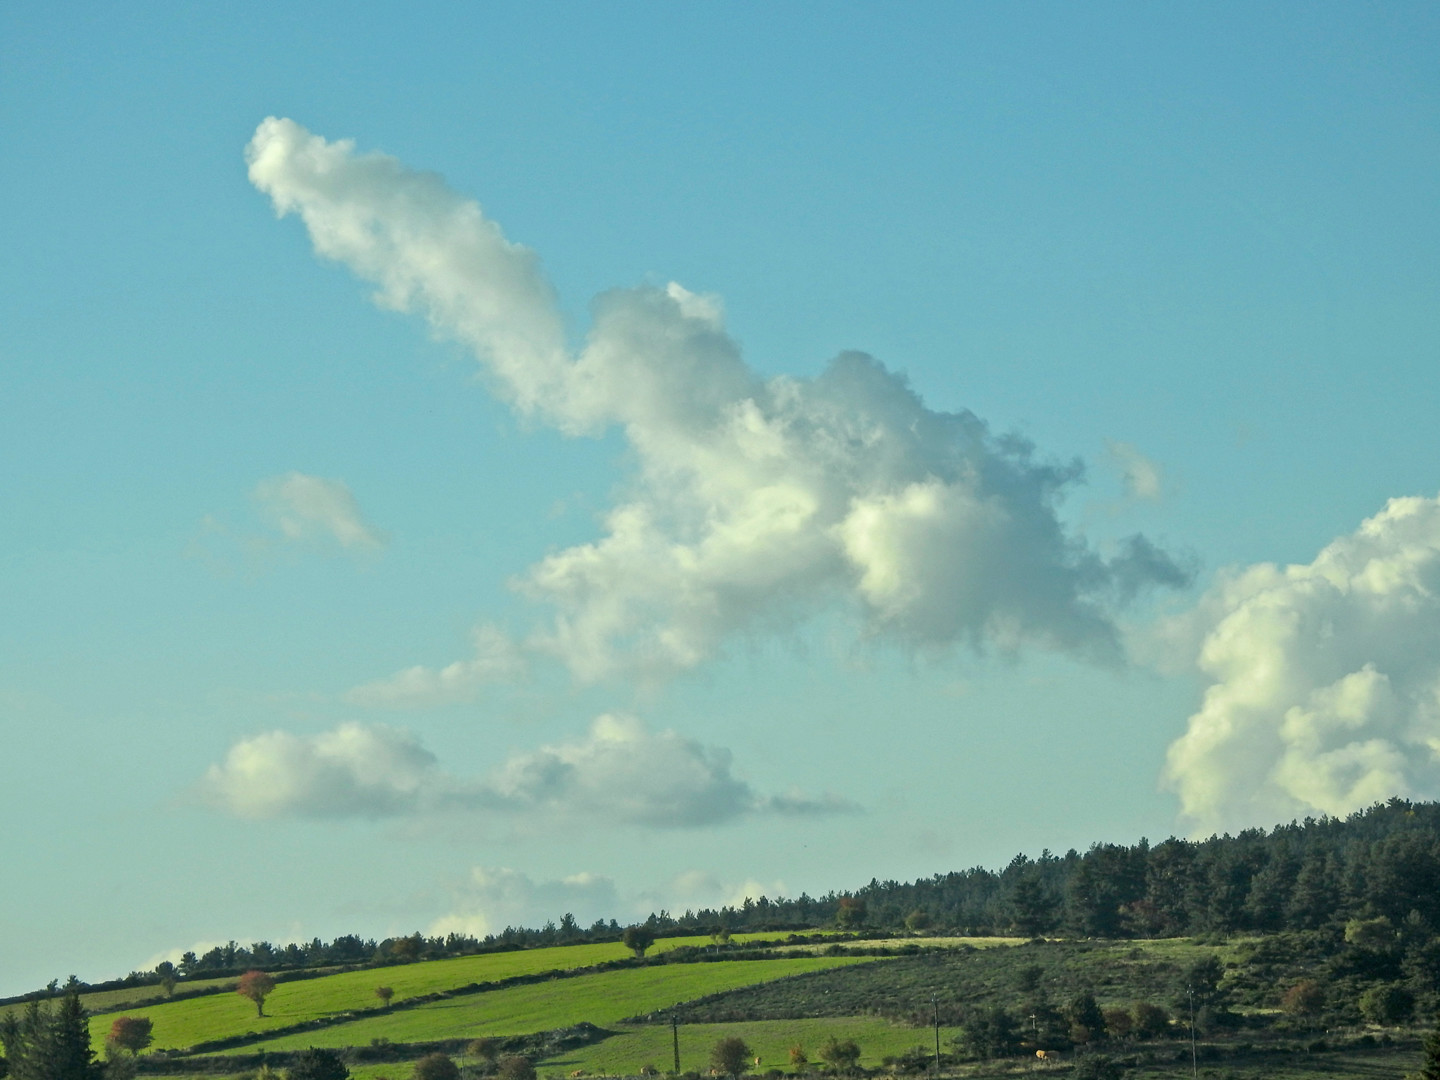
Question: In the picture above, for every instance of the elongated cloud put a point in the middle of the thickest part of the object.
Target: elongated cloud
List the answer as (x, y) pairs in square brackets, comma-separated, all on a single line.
[(620, 773), (1326, 680), (496, 659), (311, 508), (757, 502)]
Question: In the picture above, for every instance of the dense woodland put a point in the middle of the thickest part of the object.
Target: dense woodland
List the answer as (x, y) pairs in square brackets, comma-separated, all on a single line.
[(1310, 876)]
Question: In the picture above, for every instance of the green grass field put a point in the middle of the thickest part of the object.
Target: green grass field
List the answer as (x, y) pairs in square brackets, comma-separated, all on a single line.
[(624, 1053), (603, 998), (183, 1023)]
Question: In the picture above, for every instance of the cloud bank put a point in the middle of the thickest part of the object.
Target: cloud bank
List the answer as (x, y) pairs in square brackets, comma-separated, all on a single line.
[(1325, 692), (620, 773), (757, 502)]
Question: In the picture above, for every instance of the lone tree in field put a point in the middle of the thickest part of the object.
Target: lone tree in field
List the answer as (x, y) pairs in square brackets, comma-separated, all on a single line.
[(384, 993), (255, 985), (130, 1033), (730, 1055), (637, 939), (317, 1064), (436, 1067)]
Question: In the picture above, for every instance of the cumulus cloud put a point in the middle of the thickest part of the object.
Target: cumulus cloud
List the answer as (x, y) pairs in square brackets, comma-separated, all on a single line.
[(495, 897), (620, 773), (352, 771), (757, 502), (496, 659), (311, 509), (1325, 692), (624, 772)]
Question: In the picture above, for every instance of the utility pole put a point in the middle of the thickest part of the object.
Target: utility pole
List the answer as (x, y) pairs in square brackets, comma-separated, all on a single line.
[(935, 1005), (1194, 1067), (675, 1034)]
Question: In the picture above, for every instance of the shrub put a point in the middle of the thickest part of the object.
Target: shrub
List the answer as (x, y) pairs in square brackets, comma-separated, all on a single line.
[(436, 1067), (1151, 1021), (484, 1049), (318, 1064), (840, 1054), (1305, 998), (730, 1055), (515, 1067)]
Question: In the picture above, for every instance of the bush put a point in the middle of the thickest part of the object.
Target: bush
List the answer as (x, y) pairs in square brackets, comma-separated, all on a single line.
[(840, 1054), (1097, 1067), (1305, 998), (1151, 1021), (484, 1049), (515, 1067), (730, 1055), (318, 1064), (436, 1067)]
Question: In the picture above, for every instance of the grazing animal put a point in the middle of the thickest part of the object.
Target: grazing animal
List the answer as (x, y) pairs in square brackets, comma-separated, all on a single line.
[(1043, 1055)]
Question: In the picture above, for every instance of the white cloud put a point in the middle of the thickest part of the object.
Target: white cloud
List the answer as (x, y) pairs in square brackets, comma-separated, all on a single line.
[(700, 889), (352, 771), (1325, 692), (1143, 478), (757, 502), (312, 509), (621, 773), (496, 897), (624, 772), (497, 659)]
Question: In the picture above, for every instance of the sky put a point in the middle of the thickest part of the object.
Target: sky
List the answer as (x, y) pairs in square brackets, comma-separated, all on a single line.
[(461, 464)]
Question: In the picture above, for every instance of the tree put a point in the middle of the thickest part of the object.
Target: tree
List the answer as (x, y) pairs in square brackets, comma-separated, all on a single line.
[(840, 1054), (1389, 1004), (436, 1067), (166, 970), (1305, 998), (1097, 1067), (798, 1058), (1087, 1022), (730, 1055), (515, 1067), (1430, 1067), (637, 939), (49, 1045), (384, 993), (851, 913), (130, 1033), (1151, 1021), (988, 1033), (918, 920), (255, 985), (318, 1064)]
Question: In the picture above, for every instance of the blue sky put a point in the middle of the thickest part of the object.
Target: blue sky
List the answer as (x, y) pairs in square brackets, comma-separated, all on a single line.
[(318, 616)]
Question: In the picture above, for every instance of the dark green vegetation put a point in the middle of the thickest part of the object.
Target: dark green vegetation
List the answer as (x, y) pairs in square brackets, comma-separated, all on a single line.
[(1311, 949)]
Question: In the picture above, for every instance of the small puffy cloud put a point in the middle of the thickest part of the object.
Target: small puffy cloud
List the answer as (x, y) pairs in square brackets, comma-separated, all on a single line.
[(700, 889), (352, 771), (757, 502), (1143, 478), (496, 897), (626, 773), (496, 660), (1325, 679), (312, 509), (621, 773)]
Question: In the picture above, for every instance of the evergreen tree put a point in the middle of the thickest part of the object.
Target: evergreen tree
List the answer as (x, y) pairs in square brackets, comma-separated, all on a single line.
[(1430, 1067)]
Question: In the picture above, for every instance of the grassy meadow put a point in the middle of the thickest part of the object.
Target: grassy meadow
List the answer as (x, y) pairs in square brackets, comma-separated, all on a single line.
[(603, 999)]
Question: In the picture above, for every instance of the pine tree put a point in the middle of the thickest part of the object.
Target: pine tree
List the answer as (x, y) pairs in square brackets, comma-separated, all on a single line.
[(1430, 1070)]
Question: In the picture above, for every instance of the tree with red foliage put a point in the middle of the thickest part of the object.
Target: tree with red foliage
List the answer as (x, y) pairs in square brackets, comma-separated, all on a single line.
[(255, 985), (130, 1033)]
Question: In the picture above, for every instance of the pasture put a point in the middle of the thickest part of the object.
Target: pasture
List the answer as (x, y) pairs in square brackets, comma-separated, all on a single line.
[(602, 998), (187, 1021)]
